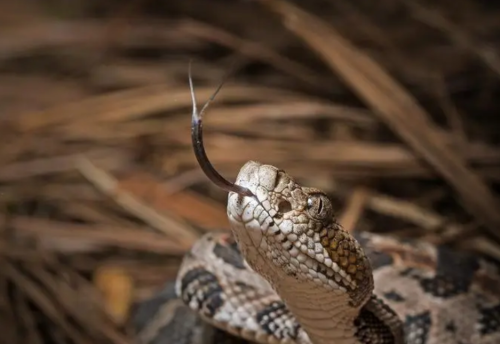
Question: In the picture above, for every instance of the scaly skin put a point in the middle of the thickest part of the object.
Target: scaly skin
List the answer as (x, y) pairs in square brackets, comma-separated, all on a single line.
[(288, 235), (300, 279)]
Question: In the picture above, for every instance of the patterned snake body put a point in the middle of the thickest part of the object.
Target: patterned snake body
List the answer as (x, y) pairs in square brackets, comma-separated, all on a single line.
[(300, 279)]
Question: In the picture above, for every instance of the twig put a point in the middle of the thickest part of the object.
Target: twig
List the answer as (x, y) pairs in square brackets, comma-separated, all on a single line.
[(354, 209), (404, 210), (136, 103), (38, 297), (96, 235), (183, 181), (174, 228), (26, 317), (191, 206), (39, 167), (484, 245), (254, 50), (453, 114), (434, 19), (396, 107)]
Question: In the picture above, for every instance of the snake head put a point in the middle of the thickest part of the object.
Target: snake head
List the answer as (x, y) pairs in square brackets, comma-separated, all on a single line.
[(288, 231), (285, 230)]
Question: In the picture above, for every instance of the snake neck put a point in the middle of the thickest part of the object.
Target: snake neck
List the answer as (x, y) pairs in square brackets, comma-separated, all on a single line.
[(328, 319), (327, 316)]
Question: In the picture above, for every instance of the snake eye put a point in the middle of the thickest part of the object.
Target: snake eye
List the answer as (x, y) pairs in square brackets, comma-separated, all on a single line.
[(319, 207)]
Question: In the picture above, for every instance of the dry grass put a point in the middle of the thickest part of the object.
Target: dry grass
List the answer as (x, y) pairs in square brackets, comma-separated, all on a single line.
[(391, 109)]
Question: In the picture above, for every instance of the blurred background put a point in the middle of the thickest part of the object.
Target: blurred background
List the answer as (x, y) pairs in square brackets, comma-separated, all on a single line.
[(389, 106)]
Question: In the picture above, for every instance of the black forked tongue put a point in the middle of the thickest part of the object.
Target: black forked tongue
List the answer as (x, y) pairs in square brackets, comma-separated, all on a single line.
[(199, 149)]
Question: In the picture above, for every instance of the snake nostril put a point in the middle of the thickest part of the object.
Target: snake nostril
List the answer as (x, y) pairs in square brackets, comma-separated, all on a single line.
[(284, 207)]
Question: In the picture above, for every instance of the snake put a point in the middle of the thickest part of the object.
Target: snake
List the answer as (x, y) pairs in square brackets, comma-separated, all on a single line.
[(288, 273)]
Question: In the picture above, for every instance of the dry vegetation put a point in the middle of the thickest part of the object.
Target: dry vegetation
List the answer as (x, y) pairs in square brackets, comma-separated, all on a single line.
[(390, 106)]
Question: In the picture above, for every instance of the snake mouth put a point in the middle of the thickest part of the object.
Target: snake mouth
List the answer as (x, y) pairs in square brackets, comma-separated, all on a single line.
[(252, 216), (246, 228)]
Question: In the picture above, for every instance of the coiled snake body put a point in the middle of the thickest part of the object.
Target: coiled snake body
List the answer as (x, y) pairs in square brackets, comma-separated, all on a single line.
[(290, 275)]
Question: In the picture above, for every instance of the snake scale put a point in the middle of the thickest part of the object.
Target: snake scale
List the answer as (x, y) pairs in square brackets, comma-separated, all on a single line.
[(289, 274)]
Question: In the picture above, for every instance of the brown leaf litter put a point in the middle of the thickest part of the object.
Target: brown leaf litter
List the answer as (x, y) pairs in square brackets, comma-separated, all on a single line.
[(390, 109)]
